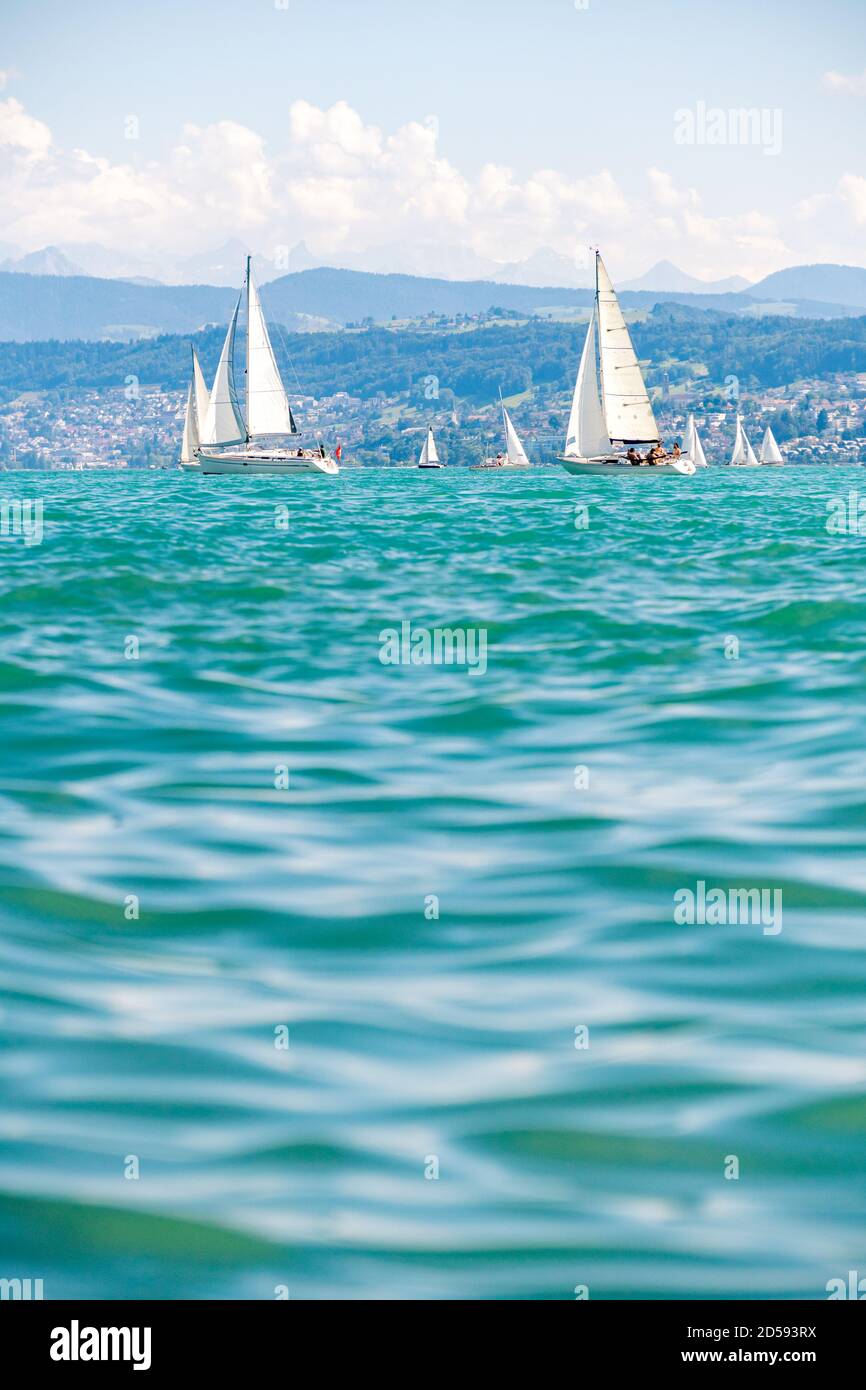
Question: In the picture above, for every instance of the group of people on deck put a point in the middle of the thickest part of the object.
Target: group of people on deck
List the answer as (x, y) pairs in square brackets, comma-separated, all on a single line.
[(657, 454)]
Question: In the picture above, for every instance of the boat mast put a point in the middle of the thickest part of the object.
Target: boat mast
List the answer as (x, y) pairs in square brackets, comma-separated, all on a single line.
[(504, 426), (248, 350), (596, 356)]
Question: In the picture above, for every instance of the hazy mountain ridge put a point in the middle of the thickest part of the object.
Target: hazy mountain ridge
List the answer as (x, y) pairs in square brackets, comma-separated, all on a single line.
[(838, 284), (34, 307), (664, 275)]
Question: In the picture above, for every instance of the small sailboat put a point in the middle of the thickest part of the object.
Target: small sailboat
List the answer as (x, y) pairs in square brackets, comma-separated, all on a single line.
[(743, 455), (694, 447), (197, 404), (429, 456), (769, 452), (611, 409), (515, 454), (238, 436)]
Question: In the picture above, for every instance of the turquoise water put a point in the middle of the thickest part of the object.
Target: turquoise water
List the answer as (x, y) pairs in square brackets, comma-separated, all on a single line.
[(417, 1040)]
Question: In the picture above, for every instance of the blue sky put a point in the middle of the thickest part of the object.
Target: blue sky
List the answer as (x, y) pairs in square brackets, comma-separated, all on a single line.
[(528, 86)]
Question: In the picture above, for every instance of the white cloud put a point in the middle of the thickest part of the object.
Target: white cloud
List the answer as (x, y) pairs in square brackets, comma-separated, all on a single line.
[(852, 190), (22, 136), (807, 208), (839, 82), (665, 193), (351, 190)]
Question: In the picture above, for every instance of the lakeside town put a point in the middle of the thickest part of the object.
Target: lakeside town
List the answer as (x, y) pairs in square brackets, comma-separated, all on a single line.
[(817, 421)]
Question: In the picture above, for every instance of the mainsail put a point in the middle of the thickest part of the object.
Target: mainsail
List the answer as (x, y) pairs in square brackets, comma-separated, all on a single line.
[(428, 452), (627, 411), (587, 436), (694, 448), (744, 454), (513, 447), (223, 423), (770, 451), (201, 393), (268, 410)]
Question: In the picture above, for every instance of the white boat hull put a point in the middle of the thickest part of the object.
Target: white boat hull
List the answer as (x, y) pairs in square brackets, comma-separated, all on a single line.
[(243, 461), (676, 468)]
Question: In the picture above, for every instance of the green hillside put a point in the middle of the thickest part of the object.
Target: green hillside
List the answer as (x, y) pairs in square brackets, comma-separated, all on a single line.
[(679, 344)]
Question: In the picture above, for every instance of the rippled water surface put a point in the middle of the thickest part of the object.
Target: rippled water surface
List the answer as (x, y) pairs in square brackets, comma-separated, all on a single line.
[(417, 1040)]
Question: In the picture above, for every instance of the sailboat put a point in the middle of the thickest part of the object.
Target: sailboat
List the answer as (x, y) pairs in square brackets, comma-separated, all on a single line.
[(429, 456), (611, 408), (237, 437), (197, 404), (694, 447), (769, 452), (515, 454), (743, 455)]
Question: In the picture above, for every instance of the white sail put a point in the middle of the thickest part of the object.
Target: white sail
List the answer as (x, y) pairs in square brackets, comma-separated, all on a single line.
[(513, 447), (201, 393), (627, 411), (694, 448), (268, 410), (744, 454), (586, 436), (770, 451), (429, 454), (190, 430), (223, 423)]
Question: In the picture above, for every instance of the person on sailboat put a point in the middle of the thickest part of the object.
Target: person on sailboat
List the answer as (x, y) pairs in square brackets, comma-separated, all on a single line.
[(676, 451), (634, 457), (656, 454)]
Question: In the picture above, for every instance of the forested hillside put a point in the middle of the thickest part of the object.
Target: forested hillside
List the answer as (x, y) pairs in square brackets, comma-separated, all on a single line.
[(675, 341)]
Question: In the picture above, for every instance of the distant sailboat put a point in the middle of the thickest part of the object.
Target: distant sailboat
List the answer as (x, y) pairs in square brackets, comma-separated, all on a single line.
[(743, 455), (769, 452), (515, 454), (190, 446), (235, 436), (197, 405), (611, 408), (694, 447), (429, 456)]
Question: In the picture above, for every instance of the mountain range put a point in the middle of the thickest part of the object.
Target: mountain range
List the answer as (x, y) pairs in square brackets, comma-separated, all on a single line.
[(665, 276), (837, 284), (66, 305)]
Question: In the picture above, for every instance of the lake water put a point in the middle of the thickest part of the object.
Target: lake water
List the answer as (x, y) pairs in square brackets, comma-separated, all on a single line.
[(352, 978)]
